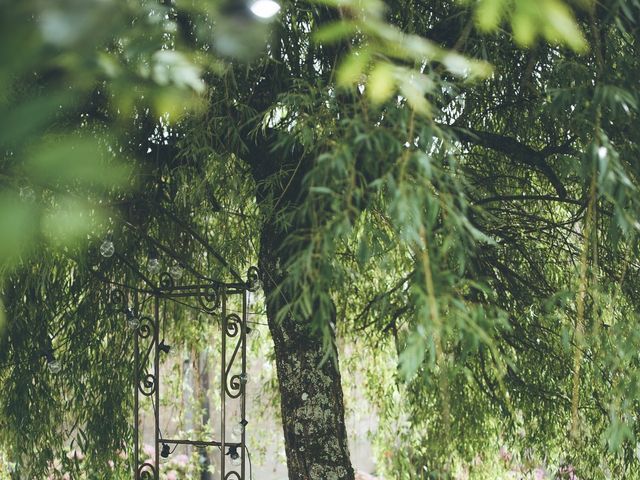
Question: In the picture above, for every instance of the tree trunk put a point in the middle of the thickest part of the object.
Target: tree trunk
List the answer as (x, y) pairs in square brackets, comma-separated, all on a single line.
[(310, 389), (309, 382)]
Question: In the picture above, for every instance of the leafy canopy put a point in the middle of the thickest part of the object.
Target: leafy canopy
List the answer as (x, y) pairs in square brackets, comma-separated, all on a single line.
[(468, 205)]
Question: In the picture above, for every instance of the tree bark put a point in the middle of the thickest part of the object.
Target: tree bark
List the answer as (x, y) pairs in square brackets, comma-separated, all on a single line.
[(309, 381), (310, 384)]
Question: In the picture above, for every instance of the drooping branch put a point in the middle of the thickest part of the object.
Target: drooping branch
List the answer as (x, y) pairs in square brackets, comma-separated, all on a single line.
[(523, 198), (519, 152)]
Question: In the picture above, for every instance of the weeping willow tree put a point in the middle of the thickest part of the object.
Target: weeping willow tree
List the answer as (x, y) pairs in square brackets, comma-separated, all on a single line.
[(455, 184)]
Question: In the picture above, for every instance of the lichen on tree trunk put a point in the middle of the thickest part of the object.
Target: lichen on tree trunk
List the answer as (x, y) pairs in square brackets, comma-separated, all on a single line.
[(310, 389), (309, 380)]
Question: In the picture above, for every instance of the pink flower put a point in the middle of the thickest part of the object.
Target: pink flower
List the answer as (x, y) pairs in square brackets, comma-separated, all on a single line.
[(539, 474), (462, 474), (75, 454), (569, 471), (172, 475), (505, 455), (148, 450), (111, 464), (122, 454), (181, 460)]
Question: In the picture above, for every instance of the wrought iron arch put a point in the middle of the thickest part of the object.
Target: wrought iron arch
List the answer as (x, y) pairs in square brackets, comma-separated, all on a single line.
[(211, 298)]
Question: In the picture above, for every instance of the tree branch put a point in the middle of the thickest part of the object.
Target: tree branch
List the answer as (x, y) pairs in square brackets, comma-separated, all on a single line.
[(519, 152)]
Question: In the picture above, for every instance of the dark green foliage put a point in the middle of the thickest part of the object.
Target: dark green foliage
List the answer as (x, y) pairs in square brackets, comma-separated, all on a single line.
[(481, 231)]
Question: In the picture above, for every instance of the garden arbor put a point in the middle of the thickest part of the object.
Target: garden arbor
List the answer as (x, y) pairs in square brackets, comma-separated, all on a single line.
[(146, 310)]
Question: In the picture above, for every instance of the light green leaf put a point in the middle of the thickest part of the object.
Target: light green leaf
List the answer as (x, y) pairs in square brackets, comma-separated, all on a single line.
[(412, 357), (524, 29), (322, 190), (352, 67), (560, 26), (465, 67), (334, 32), (18, 228), (414, 92), (489, 13), (381, 83), (70, 220), (172, 67), (77, 160)]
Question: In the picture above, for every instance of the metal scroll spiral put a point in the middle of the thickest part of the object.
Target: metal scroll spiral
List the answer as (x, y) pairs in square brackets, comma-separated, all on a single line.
[(146, 381), (232, 475), (234, 383), (253, 279), (209, 298), (166, 281), (146, 471), (147, 327), (117, 298), (147, 385)]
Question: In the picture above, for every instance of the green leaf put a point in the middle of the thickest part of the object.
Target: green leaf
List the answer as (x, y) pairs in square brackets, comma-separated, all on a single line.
[(381, 83), (489, 13), (75, 160), (465, 67), (412, 357), (524, 29), (414, 90), (561, 27), (363, 251), (323, 190), (18, 228), (31, 116), (353, 67), (70, 221), (334, 32), (171, 67)]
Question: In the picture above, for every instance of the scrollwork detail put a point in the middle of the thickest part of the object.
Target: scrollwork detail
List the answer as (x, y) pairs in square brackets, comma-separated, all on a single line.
[(147, 327), (147, 385), (166, 281), (117, 297), (234, 386), (146, 471), (232, 325), (234, 383), (209, 298)]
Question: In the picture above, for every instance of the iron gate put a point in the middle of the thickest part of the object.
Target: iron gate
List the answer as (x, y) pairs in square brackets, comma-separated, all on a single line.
[(214, 299)]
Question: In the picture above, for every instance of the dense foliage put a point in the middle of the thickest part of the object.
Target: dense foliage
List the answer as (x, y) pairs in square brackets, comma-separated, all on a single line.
[(458, 187)]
